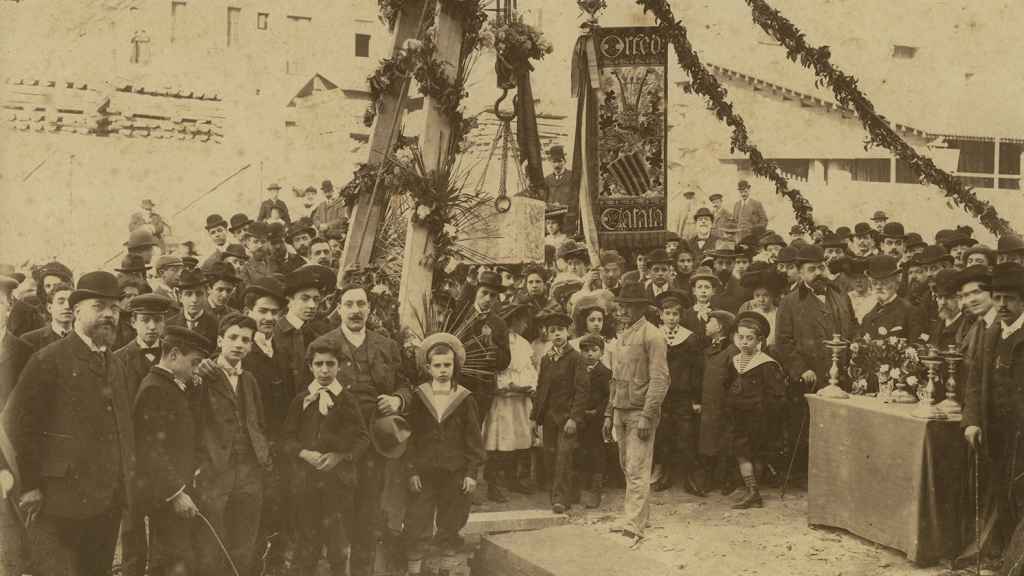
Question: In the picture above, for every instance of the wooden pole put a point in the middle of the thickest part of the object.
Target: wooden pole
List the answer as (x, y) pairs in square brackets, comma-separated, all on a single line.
[(368, 212), (435, 144)]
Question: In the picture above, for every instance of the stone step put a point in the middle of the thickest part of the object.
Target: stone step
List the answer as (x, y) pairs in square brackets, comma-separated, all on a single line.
[(562, 551), (512, 521)]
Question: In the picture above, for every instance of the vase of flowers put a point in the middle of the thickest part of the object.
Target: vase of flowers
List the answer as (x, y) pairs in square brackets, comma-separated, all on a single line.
[(887, 364)]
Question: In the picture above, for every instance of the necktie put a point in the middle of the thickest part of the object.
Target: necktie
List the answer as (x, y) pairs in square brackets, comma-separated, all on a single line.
[(322, 394)]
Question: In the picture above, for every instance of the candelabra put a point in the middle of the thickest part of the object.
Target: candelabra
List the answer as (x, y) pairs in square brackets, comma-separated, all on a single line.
[(836, 345), (932, 360), (953, 357)]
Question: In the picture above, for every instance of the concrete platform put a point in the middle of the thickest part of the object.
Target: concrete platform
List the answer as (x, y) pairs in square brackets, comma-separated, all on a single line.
[(512, 521), (562, 551)]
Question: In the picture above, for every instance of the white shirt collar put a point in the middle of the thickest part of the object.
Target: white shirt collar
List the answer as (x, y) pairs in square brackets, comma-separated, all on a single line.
[(265, 344), (189, 319), (88, 341), (990, 317), (143, 346), (294, 320), (58, 330), (1012, 328), (356, 338)]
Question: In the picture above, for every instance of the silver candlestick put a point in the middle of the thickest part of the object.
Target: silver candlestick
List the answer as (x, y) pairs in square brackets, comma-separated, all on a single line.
[(953, 358), (932, 360), (836, 345)]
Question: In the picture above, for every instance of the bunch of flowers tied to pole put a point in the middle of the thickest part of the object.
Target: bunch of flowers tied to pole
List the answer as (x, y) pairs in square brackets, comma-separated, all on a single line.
[(515, 43), (885, 361)]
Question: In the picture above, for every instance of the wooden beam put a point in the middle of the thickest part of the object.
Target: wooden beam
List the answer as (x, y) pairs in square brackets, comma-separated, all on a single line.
[(435, 144), (368, 212)]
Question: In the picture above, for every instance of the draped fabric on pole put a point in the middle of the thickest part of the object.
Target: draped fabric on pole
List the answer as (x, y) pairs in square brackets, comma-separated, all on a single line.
[(621, 84)]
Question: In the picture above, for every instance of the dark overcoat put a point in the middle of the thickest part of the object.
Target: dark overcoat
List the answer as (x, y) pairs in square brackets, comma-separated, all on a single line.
[(14, 354), (136, 365), (716, 369), (207, 325), (563, 387), (898, 318), (384, 368), (803, 323), (70, 422), (165, 432), (40, 337)]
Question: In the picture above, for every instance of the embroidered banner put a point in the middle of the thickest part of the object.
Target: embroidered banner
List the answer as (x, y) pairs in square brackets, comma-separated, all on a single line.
[(629, 202)]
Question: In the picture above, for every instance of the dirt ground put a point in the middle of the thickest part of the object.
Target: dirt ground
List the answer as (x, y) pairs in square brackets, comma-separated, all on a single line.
[(694, 535)]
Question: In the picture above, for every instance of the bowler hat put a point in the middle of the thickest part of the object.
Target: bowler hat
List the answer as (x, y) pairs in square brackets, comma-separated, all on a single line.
[(274, 186), (179, 336), (572, 249), (857, 266), (390, 436), (945, 282), (235, 251), (833, 241), (275, 231), (844, 233), (326, 277), (238, 222), (942, 235), (673, 296), (862, 229), (1010, 244), (168, 261), (215, 221), (191, 279), (556, 153), (222, 271), (703, 213), (882, 266), (441, 338), (658, 256), (672, 237), (932, 255), (267, 286), (98, 284), (809, 254), (8, 284), (301, 226), (140, 238), (632, 293), (893, 230), (489, 279), (977, 273), (764, 328), (914, 240), (787, 255), (958, 239), (1008, 277), (150, 304), (763, 275), (879, 215)]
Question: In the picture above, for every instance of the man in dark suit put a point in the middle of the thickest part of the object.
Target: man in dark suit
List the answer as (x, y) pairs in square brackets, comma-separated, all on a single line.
[(217, 229), (486, 324), (61, 319), (223, 283), (165, 437), (810, 314), (273, 202), (147, 315), (193, 315), (560, 188), (704, 238), (233, 452), (950, 324), (659, 264), (371, 370), (748, 213), (70, 423), (26, 317), (892, 315)]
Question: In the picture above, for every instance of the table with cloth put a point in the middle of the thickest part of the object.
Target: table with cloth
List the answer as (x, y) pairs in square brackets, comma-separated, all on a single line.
[(882, 474)]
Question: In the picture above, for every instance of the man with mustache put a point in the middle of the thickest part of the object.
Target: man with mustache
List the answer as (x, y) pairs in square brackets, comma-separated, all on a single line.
[(70, 424), (991, 397), (892, 314), (371, 370), (810, 314)]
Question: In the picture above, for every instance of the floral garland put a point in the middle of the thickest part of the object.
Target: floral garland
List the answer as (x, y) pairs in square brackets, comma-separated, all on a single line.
[(703, 82), (416, 59), (515, 43), (880, 132)]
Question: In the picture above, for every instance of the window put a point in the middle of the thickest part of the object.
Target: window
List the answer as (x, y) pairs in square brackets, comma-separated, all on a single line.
[(900, 52), (234, 15), (261, 20), (871, 170), (177, 19), (976, 157), (362, 45)]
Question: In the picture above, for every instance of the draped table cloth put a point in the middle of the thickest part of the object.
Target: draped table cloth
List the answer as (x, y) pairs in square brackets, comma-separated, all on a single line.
[(886, 476)]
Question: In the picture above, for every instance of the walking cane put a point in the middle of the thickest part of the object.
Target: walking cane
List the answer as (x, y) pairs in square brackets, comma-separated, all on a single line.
[(792, 457), (977, 509), (219, 542)]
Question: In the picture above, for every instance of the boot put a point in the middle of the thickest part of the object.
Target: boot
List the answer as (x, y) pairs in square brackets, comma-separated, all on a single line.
[(692, 486), (752, 498), (596, 492), (492, 474)]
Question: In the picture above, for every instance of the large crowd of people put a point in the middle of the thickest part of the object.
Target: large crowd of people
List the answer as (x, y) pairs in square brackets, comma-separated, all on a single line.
[(245, 412)]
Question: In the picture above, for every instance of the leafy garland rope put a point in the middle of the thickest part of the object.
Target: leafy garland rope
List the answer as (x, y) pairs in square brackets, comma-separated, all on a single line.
[(881, 133), (704, 83)]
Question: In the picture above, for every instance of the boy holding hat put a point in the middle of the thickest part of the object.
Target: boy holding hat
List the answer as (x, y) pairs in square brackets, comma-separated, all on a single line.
[(324, 436), (562, 390), (165, 436), (676, 440), (445, 450)]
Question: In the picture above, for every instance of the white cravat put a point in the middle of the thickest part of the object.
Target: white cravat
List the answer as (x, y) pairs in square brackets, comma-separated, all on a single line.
[(265, 344), (324, 395), (232, 372)]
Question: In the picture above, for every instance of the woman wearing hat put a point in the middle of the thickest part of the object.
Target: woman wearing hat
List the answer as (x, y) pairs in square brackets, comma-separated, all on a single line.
[(766, 285)]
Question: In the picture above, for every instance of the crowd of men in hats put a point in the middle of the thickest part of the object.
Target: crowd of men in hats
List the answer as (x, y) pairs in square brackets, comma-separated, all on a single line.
[(241, 412)]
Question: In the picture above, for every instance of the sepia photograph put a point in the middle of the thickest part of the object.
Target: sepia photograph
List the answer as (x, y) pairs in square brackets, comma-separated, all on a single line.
[(511, 288)]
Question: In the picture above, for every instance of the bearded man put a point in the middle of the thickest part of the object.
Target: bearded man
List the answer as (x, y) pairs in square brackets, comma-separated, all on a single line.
[(71, 413)]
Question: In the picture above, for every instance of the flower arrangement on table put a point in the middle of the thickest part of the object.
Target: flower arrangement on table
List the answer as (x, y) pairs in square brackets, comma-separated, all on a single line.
[(888, 364)]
